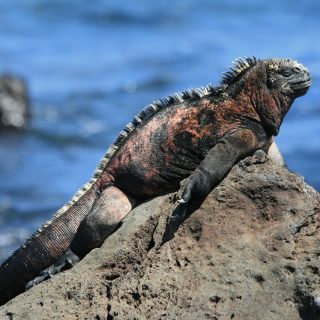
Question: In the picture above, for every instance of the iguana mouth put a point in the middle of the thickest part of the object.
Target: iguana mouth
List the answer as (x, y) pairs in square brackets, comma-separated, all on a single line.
[(304, 83), (301, 85)]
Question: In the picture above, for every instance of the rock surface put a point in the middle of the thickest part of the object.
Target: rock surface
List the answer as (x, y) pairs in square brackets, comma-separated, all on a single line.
[(14, 105), (251, 251)]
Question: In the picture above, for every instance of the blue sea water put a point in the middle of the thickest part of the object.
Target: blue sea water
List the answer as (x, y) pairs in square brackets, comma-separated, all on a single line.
[(92, 65)]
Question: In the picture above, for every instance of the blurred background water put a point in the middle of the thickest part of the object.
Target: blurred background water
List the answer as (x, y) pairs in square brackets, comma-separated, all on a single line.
[(92, 65)]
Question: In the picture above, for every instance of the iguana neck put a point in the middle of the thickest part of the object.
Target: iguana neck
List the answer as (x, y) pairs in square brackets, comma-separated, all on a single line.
[(253, 91)]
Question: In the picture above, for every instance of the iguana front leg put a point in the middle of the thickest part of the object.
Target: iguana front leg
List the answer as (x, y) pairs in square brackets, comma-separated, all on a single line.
[(111, 206), (218, 162)]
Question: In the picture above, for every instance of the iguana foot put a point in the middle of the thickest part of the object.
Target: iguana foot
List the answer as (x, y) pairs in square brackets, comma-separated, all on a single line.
[(191, 195), (66, 261), (179, 213), (174, 221)]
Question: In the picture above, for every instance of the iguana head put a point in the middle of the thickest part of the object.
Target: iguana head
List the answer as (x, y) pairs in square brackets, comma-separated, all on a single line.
[(288, 77), (270, 86)]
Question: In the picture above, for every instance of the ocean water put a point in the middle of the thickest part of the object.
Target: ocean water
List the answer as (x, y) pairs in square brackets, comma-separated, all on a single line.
[(92, 65)]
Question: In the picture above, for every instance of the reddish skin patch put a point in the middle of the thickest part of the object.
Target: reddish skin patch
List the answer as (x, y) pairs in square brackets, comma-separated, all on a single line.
[(152, 173), (105, 180), (154, 150), (185, 121)]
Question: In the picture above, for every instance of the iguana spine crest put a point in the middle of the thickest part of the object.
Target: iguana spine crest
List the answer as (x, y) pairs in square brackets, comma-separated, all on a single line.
[(241, 65)]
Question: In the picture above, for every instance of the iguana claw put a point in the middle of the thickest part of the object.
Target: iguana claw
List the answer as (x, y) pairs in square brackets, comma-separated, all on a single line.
[(179, 213)]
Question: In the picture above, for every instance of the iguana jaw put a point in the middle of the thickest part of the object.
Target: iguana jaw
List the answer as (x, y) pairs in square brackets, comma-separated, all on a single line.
[(301, 85), (300, 81)]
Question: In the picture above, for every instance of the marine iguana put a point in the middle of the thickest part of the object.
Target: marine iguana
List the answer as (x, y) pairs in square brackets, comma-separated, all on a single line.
[(199, 134)]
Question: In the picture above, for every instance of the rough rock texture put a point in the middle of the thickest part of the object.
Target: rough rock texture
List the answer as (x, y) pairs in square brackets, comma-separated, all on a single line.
[(14, 104), (252, 251)]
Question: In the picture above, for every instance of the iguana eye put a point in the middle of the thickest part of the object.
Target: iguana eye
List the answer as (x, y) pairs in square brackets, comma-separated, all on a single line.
[(287, 72)]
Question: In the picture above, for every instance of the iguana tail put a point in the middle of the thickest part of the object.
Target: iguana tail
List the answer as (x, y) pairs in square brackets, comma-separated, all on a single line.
[(46, 245)]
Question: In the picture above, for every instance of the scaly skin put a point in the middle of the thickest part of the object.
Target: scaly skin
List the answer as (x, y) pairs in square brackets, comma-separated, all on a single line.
[(43, 249), (198, 134)]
